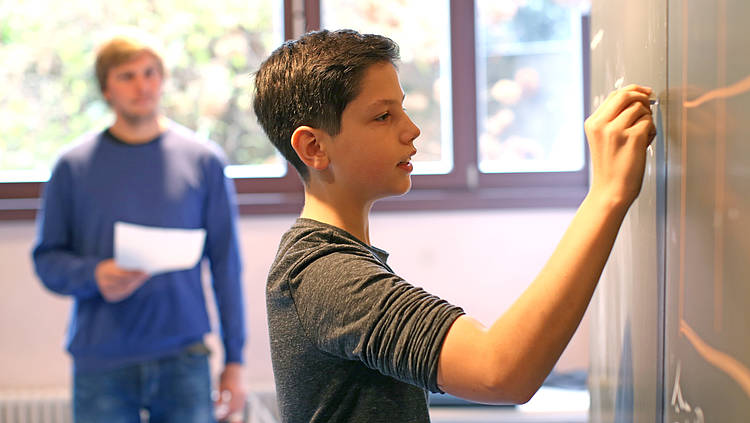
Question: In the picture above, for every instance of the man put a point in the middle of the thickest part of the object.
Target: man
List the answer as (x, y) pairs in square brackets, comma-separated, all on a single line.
[(137, 339)]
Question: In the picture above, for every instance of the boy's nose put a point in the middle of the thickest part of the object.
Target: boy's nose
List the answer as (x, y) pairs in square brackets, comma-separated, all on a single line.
[(412, 132)]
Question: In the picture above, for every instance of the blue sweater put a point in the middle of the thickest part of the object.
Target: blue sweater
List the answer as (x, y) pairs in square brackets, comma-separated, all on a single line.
[(176, 181)]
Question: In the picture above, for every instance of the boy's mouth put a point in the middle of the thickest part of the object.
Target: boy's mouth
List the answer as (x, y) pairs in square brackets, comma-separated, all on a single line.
[(407, 159), (405, 165)]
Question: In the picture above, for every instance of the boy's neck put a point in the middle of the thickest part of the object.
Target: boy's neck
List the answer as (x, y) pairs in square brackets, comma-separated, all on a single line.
[(347, 215)]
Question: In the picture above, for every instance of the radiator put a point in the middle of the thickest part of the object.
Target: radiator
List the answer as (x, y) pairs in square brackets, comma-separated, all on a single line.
[(35, 406), (53, 406)]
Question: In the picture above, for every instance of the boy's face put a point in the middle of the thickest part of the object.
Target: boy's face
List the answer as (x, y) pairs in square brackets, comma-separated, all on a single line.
[(370, 156), (133, 89)]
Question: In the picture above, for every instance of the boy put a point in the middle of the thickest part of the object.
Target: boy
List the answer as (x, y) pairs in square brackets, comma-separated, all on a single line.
[(137, 339), (350, 340)]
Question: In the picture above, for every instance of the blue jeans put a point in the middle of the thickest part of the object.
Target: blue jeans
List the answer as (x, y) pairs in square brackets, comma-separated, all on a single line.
[(176, 389)]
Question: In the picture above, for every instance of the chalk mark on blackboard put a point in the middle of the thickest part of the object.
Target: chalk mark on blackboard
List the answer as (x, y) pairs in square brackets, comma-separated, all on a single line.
[(597, 38), (679, 403)]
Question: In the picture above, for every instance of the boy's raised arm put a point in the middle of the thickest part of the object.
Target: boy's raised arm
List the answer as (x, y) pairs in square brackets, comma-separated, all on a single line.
[(508, 361)]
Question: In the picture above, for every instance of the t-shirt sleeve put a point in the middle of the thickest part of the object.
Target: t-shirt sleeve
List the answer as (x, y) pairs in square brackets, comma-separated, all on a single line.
[(352, 307)]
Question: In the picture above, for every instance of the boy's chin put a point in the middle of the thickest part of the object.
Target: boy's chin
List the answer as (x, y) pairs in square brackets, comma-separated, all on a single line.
[(397, 192), (404, 191)]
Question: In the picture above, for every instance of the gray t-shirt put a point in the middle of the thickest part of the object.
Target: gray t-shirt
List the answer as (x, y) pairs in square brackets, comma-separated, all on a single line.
[(350, 340)]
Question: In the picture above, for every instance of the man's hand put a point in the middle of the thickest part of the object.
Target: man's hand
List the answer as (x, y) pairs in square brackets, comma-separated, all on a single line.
[(619, 132), (115, 283), (231, 397)]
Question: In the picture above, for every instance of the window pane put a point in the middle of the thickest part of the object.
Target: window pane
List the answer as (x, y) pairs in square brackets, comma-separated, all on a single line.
[(420, 27), (530, 92), (50, 95)]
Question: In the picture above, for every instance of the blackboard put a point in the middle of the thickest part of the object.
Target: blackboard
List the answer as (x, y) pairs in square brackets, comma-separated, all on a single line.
[(671, 318)]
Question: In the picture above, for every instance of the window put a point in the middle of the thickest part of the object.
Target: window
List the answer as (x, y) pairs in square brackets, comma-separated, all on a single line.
[(495, 87), (419, 29), (210, 49), (529, 87), (502, 82)]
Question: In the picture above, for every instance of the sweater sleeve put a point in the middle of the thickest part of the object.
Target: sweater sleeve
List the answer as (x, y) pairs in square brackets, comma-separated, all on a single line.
[(59, 268), (222, 250), (353, 308)]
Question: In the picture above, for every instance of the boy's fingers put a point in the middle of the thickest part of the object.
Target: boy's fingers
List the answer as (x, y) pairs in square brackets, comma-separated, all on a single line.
[(620, 101), (630, 88), (641, 88), (644, 126), (652, 132), (632, 114)]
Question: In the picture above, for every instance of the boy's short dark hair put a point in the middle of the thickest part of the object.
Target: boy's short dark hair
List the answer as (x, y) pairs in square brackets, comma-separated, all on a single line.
[(311, 80)]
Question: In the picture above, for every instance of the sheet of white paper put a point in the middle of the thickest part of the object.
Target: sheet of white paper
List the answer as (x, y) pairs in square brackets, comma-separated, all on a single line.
[(155, 249)]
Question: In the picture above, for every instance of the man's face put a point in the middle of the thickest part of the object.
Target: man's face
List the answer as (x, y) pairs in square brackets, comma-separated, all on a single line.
[(133, 89), (371, 154)]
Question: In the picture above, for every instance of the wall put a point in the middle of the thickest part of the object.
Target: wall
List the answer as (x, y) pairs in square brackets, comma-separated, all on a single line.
[(481, 260)]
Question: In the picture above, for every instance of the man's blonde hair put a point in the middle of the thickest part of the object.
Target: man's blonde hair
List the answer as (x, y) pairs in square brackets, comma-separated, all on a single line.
[(122, 49)]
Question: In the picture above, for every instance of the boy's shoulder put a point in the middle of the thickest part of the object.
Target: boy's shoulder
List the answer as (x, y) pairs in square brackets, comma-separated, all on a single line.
[(307, 241), (308, 234)]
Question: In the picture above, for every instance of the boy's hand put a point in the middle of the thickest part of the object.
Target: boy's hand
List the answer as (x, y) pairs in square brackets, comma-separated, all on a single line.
[(115, 283), (618, 133)]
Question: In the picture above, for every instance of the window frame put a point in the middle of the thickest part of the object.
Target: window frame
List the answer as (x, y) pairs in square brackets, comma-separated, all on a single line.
[(463, 188)]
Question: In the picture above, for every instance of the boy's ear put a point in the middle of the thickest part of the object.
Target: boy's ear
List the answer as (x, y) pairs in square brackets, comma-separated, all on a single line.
[(307, 142)]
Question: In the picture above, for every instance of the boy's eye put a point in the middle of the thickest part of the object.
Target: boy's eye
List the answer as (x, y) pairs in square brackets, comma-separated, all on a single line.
[(383, 117)]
